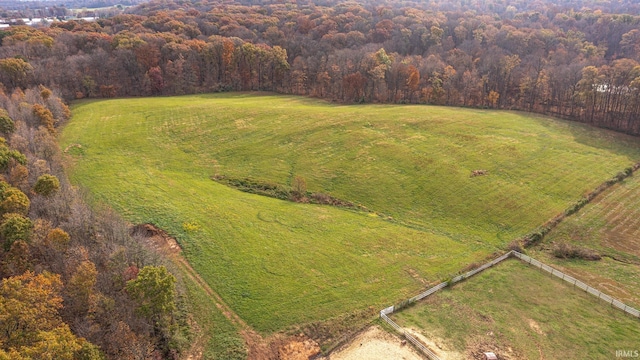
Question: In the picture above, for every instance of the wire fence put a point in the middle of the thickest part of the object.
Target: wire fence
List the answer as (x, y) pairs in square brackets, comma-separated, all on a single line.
[(392, 309), (579, 284), (527, 259), (410, 338)]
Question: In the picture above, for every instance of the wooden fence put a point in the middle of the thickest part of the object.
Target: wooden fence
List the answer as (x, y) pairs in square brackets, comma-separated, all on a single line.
[(391, 309)]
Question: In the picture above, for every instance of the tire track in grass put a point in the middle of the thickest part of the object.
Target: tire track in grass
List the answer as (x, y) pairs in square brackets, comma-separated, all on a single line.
[(258, 348)]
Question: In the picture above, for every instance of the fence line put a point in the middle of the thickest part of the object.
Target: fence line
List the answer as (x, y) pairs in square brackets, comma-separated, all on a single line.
[(459, 278), (386, 311), (579, 284), (408, 336), (527, 259)]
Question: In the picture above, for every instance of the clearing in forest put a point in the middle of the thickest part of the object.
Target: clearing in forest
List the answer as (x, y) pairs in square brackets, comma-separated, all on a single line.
[(519, 312), (279, 264)]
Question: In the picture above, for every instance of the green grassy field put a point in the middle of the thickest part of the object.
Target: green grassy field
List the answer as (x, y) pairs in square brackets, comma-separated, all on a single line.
[(520, 312), (279, 263), (610, 225), (220, 338)]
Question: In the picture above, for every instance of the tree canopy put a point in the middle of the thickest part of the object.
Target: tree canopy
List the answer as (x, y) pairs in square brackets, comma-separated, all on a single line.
[(538, 56), (154, 290), (31, 325)]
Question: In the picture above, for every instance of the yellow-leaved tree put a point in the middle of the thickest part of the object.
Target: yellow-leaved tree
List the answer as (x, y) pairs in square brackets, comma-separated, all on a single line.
[(30, 326)]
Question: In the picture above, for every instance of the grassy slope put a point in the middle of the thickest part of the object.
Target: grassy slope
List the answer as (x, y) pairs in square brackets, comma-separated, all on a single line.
[(611, 226), (534, 314), (278, 263), (221, 338)]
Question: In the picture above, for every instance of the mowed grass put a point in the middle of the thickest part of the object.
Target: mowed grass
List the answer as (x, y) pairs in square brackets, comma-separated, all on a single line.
[(520, 312), (610, 225), (279, 263), (220, 338)]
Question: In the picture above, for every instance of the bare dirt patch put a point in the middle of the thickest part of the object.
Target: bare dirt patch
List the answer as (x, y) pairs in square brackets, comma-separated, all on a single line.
[(375, 344), (478, 345), (475, 173), (437, 345), (72, 146), (156, 239), (535, 327), (414, 274), (299, 348)]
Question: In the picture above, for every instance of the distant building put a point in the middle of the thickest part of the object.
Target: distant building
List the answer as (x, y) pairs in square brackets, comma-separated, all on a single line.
[(42, 21)]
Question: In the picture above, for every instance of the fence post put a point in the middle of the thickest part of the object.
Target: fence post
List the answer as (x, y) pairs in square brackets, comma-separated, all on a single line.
[(588, 289)]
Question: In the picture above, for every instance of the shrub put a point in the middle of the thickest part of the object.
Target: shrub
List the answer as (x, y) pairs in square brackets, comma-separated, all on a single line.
[(14, 201), (45, 93), (535, 236), (190, 227), (515, 246), (470, 267), (255, 187), (298, 188), (46, 185), (567, 251), (6, 155), (45, 116), (576, 206), (57, 238), (154, 290), (7, 125), (19, 175), (14, 227), (320, 198)]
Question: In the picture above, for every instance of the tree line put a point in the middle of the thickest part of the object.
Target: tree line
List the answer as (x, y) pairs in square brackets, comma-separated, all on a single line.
[(74, 283), (94, 283), (576, 63)]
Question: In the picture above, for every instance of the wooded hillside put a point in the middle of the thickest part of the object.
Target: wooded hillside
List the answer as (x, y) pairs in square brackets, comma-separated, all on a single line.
[(93, 284), (75, 284), (577, 60)]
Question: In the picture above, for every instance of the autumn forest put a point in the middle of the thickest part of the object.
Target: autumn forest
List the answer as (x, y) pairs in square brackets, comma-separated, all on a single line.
[(577, 60)]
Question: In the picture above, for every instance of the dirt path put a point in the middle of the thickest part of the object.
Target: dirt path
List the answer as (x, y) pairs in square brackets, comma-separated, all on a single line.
[(257, 346), (375, 344), (436, 345), (276, 347)]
